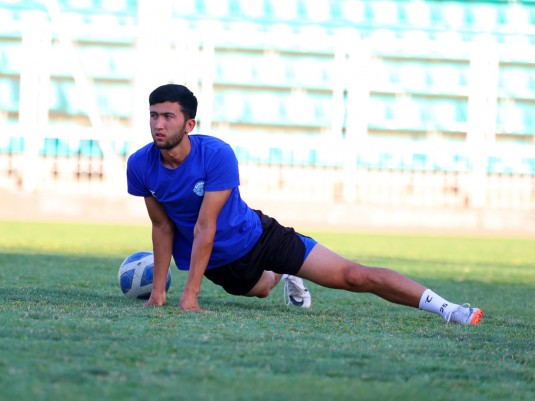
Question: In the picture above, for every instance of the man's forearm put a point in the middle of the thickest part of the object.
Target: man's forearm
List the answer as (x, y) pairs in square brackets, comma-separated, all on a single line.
[(200, 255), (162, 243)]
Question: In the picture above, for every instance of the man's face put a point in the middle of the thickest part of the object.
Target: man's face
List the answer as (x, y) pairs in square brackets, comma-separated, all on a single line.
[(168, 125)]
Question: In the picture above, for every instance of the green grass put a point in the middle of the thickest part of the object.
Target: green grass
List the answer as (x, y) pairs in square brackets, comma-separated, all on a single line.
[(67, 333)]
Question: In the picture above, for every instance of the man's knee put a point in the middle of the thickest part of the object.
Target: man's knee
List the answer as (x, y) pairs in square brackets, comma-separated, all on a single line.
[(263, 293), (358, 278), (263, 287)]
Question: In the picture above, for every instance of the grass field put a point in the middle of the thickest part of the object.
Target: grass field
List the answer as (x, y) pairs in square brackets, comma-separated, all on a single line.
[(67, 333)]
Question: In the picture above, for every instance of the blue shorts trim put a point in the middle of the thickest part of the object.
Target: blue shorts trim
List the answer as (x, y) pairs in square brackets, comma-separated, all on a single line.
[(309, 244)]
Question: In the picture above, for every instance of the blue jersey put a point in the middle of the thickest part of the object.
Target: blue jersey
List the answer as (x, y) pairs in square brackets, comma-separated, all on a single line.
[(211, 165)]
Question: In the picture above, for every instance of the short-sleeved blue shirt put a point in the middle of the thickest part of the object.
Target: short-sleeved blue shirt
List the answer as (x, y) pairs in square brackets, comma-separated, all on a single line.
[(211, 165)]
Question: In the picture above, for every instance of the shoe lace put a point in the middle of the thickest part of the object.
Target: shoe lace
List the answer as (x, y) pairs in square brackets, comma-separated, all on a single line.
[(286, 293), (448, 316)]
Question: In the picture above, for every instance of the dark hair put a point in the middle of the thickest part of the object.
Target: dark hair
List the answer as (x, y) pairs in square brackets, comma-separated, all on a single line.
[(177, 94)]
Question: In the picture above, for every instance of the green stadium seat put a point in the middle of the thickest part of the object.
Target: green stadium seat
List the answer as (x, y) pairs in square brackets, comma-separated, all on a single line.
[(251, 8), (122, 63), (310, 72), (421, 161), (318, 11), (271, 70), (413, 76), (529, 164), (186, 8), (384, 77), (122, 148), (386, 42), (107, 63), (55, 98), (383, 13), (417, 43), (230, 106), (483, 17), (59, 63), (283, 10), (90, 148), (517, 18), (312, 39), (9, 95), (452, 16), (396, 113), (518, 48), (448, 79), (379, 112), (12, 145), (353, 12), (515, 118), (265, 108), (529, 119), (306, 109), (407, 114), (10, 58), (95, 61), (516, 82), (118, 5), (214, 8), (114, 100), (417, 14), (451, 44), (495, 165), (276, 156), (72, 99), (78, 4), (55, 147), (447, 115), (231, 68)]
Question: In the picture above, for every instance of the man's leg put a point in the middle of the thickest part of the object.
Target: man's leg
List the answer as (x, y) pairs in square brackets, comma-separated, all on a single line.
[(327, 268), (295, 291), (263, 287)]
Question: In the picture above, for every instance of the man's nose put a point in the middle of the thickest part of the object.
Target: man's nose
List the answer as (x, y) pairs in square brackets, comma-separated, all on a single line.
[(158, 122)]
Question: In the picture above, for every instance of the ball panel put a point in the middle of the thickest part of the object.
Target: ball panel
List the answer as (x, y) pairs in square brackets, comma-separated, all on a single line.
[(136, 275), (125, 280), (136, 256), (147, 276)]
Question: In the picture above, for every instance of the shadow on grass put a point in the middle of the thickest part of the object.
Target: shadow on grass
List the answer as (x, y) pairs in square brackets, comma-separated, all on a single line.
[(37, 279)]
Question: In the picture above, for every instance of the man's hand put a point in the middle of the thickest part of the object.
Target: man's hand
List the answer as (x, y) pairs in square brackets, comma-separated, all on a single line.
[(189, 302), (156, 299)]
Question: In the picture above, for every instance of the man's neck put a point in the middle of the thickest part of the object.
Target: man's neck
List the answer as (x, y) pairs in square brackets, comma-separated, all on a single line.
[(173, 158)]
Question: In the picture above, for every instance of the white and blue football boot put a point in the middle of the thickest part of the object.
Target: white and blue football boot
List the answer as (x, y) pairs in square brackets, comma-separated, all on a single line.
[(295, 292)]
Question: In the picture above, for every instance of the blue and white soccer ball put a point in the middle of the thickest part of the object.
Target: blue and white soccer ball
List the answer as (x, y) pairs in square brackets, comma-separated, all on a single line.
[(135, 275)]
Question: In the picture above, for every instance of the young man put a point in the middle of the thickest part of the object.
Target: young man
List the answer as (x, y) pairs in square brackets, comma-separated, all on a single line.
[(190, 185)]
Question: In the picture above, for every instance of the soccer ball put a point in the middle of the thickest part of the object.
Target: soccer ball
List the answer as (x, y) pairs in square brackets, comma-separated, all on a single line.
[(135, 275)]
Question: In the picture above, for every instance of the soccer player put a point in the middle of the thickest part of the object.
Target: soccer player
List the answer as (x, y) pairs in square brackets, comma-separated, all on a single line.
[(190, 186)]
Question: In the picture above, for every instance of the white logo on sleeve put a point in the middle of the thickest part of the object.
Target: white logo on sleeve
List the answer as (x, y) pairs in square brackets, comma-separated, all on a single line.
[(199, 188)]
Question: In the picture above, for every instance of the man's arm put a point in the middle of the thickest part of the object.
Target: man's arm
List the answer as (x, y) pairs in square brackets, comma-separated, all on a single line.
[(203, 242), (163, 231)]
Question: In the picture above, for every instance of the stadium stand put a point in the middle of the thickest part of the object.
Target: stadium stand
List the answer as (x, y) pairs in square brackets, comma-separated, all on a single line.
[(373, 89)]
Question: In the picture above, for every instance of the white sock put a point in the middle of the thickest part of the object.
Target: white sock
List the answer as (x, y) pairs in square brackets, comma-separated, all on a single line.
[(432, 302)]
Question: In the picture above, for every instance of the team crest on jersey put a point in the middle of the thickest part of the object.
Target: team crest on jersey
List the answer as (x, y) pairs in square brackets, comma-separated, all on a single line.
[(199, 188)]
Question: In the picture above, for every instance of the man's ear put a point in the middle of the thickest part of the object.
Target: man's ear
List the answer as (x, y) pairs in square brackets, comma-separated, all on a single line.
[(190, 125)]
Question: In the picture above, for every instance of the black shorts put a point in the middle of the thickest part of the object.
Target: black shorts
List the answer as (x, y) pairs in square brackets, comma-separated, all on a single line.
[(279, 249)]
